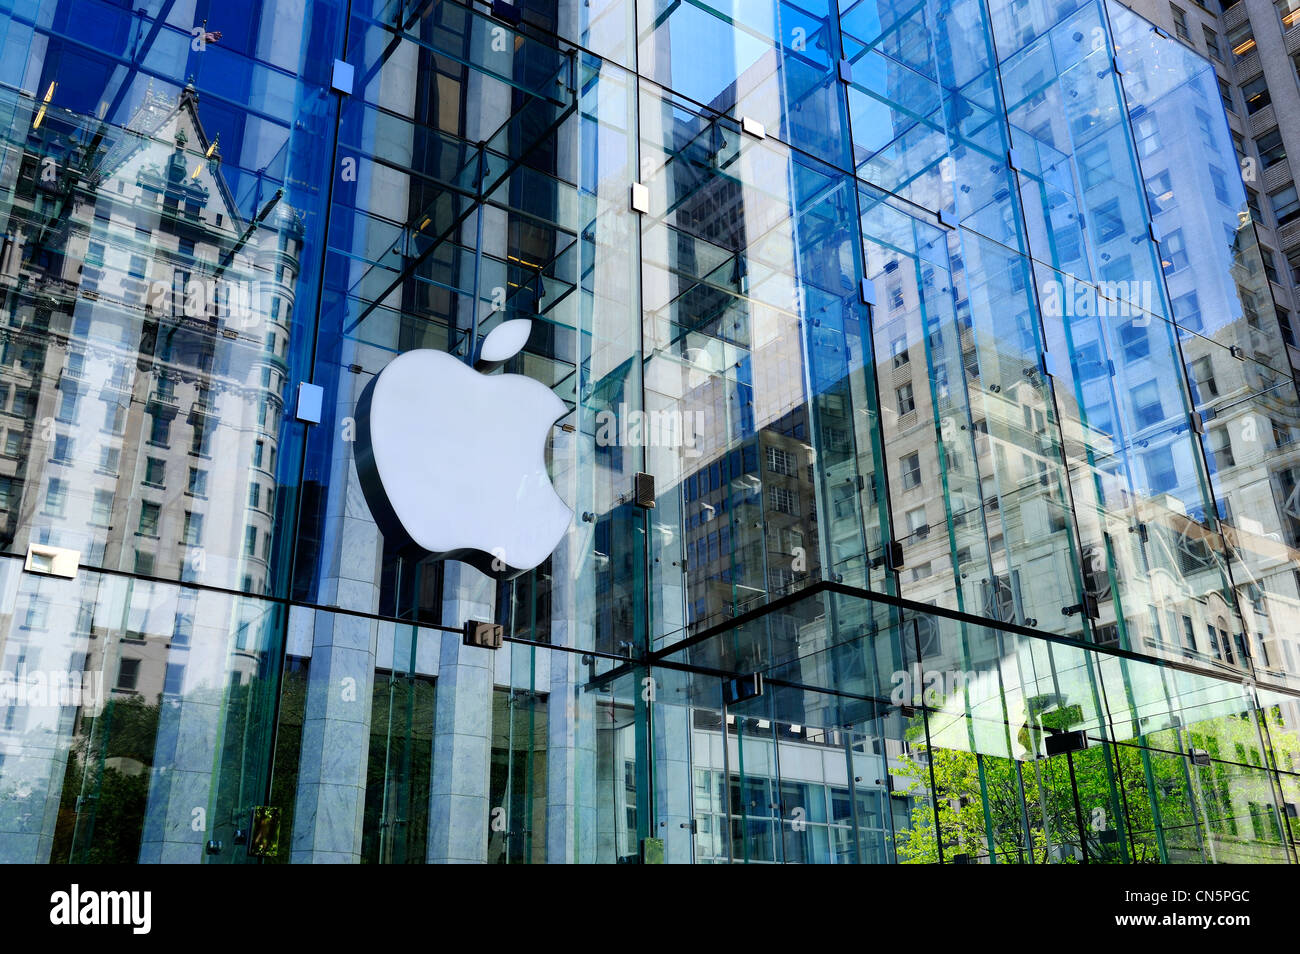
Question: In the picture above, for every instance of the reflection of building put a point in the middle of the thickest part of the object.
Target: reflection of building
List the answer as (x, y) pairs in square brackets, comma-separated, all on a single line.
[(145, 348)]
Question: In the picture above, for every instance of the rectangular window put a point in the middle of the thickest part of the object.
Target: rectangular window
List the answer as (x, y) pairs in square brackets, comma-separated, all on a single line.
[(1110, 220), (193, 528), (155, 470), (899, 352), (250, 540), (68, 406), (1256, 94), (1288, 11), (174, 681), (201, 439), (198, 483), (1221, 448), (1147, 134), (1225, 94), (254, 494), (1180, 22), (1148, 410), (114, 418), (1173, 252), (1271, 148), (1220, 185), (1212, 44), (1204, 387), (102, 511), (56, 497), (109, 458), (149, 514), (1094, 166), (128, 674), (1187, 311), (1286, 205), (62, 449), (1162, 477), (14, 443), (906, 399), (1241, 40), (160, 429), (910, 466), (1134, 340), (779, 461)]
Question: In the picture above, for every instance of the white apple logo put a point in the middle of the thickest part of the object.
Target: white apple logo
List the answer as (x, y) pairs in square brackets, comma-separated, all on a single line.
[(454, 459)]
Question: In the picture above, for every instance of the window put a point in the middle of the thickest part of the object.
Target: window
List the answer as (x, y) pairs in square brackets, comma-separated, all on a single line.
[(1162, 477), (193, 528), (1173, 252), (1212, 44), (1220, 185), (259, 451), (779, 461), (201, 439), (160, 429), (1221, 448), (899, 351), (1286, 205), (114, 418), (68, 406), (250, 539), (1180, 22), (1187, 311), (62, 449), (174, 681), (1147, 408), (1203, 383), (109, 458), (1094, 166), (102, 510), (155, 470), (1252, 203), (1240, 40), (1270, 265), (1288, 11), (916, 521), (198, 483), (1271, 148), (56, 497), (906, 399), (1110, 220), (254, 495), (1160, 192), (1133, 338), (1147, 134), (1225, 93), (128, 674), (149, 514), (910, 466), (1256, 94), (14, 443)]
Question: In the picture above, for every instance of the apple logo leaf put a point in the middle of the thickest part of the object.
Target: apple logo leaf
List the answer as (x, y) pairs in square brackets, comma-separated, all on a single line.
[(502, 343)]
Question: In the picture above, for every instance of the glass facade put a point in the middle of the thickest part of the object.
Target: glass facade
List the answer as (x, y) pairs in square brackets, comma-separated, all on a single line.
[(941, 327)]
